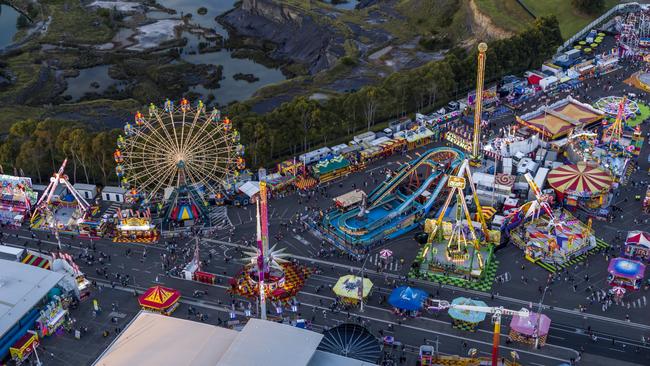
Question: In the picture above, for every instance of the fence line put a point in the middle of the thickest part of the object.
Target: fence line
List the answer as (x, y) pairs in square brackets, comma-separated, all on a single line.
[(627, 7)]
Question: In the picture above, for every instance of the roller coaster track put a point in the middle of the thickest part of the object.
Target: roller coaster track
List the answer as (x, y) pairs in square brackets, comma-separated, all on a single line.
[(390, 185), (377, 195)]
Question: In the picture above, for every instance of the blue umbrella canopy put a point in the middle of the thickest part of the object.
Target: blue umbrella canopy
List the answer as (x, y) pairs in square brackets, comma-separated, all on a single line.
[(465, 315), (407, 298)]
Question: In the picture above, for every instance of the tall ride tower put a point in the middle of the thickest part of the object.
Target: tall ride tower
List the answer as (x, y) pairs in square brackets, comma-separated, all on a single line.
[(477, 157)]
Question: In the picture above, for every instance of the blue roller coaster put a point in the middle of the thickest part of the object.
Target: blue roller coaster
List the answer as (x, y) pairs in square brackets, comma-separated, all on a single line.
[(396, 206)]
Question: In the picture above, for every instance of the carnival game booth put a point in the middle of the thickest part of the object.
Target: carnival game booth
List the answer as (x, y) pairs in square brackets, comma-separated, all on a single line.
[(581, 184), (407, 301), (329, 169), (418, 136), (529, 330), (16, 199), (135, 227), (466, 319), (558, 119), (351, 290), (637, 245), (646, 201), (160, 299), (626, 273)]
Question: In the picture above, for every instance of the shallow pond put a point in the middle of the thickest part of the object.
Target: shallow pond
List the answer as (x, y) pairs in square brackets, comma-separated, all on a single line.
[(79, 85), (8, 18), (230, 89)]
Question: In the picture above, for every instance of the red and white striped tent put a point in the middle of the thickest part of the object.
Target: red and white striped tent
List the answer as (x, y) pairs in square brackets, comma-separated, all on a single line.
[(637, 237)]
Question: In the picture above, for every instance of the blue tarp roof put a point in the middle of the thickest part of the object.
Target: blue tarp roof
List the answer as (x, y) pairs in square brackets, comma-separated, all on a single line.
[(407, 298)]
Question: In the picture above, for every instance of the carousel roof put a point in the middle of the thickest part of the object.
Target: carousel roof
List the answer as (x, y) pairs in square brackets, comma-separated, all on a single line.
[(407, 298), (527, 325), (466, 315), (348, 286), (159, 297), (580, 178), (638, 237)]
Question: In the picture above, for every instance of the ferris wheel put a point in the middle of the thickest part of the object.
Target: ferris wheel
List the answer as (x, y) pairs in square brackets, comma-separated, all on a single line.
[(178, 146)]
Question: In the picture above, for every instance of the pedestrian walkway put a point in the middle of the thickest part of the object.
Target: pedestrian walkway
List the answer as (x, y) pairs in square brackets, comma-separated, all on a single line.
[(389, 264), (112, 209), (219, 218)]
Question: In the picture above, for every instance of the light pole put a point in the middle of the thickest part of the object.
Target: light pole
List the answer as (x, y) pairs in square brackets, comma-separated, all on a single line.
[(362, 278), (539, 313)]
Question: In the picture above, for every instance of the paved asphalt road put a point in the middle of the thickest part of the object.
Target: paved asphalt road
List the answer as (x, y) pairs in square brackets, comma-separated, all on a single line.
[(618, 340)]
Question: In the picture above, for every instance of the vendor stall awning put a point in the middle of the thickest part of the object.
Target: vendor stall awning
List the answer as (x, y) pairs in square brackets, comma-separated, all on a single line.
[(528, 325), (349, 286), (640, 238), (350, 198), (333, 164), (250, 188)]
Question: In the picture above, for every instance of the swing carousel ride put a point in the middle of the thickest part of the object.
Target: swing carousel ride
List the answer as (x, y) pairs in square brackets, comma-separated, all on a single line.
[(457, 245), (171, 159)]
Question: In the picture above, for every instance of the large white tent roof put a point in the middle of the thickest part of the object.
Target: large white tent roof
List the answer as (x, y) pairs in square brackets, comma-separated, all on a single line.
[(268, 343), (154, 339), (22, 286)]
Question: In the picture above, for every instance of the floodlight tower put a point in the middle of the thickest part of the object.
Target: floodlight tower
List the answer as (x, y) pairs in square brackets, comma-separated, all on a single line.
[(614, 132), (262, 245), (477, 157)]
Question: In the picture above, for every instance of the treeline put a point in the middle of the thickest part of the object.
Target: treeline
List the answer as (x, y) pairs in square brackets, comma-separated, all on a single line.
[(303, 124), (37, 149)]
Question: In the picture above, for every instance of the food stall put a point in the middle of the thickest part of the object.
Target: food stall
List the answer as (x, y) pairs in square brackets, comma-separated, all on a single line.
[(352, 289), (24, 347), (465, 319), (637, 245), (350, 199), (160, 299), (626, 273), (52, 317), (529, 329)]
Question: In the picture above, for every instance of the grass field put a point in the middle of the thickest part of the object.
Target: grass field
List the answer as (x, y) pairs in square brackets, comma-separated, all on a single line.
[(570, 20), (506, 14), (510, 15)]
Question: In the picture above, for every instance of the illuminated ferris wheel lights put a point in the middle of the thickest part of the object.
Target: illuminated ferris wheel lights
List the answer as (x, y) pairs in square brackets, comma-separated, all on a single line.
[(183, 146)]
